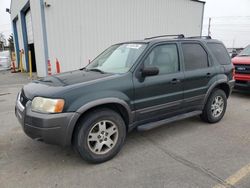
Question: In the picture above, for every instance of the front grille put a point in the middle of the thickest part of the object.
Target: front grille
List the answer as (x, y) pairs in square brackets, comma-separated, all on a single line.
[(23, 99), (242, 69)]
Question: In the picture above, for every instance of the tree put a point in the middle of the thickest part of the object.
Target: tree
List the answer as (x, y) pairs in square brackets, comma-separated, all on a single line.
[(11, 43), (2, 41)]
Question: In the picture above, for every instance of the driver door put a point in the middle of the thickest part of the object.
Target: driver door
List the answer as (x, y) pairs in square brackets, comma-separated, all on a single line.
[(159, 96)]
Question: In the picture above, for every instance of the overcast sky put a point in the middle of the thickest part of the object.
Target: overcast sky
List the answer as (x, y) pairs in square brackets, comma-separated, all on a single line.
[(230, 21), (5, 26)]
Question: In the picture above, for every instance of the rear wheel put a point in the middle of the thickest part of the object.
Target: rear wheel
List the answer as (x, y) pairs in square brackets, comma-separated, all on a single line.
[(100, 135), (215, 107)]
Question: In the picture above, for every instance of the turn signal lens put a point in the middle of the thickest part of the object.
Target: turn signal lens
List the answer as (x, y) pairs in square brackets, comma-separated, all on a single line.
[(59, 106)]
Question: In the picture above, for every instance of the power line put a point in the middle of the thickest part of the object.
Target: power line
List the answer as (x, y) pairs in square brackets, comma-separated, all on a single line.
[(227, 24), (5, 24), (226, 17), (6, 30), (231, 30)]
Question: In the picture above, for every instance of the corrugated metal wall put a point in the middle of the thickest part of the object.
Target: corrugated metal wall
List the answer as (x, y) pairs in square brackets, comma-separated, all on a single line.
[(79, 30), (63, 25)]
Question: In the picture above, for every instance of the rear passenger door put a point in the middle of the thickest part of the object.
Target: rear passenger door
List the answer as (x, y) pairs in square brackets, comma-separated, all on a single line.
[(198, 73)]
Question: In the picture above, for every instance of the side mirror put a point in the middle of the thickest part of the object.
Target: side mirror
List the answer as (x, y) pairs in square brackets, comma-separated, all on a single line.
[(150, 71)]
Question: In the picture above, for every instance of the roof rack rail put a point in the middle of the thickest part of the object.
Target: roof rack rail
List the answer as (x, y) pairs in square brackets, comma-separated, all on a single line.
[(179, 36), (200, 37)]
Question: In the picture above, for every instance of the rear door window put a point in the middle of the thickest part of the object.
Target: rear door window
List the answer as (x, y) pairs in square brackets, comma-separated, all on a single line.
[(220, 53), (195, 57)]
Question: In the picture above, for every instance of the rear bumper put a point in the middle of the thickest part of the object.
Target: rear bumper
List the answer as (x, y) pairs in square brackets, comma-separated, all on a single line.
[(50, 128)]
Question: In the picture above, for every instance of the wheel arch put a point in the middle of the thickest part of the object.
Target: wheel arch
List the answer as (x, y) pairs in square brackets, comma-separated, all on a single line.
[(115, 104), (221, 84), (225, 87)]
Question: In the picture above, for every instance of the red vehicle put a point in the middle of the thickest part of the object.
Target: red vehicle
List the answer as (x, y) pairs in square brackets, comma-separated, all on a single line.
[(242, 69)]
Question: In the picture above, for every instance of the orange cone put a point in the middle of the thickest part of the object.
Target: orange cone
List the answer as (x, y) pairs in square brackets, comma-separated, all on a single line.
[(49, 68), (57, 66)]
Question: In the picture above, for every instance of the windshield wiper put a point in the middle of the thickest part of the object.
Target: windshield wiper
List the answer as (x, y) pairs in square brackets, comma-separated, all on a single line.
[(96, 70), (84, 68)]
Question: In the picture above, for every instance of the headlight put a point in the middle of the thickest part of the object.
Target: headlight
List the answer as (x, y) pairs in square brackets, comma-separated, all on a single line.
[(46, 105)]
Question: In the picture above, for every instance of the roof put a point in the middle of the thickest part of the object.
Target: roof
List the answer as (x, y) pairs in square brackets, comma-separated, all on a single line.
[(198, 1), (175, 38)]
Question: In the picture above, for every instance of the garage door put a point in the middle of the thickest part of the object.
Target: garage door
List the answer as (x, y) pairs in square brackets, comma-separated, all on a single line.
[(28, 21)]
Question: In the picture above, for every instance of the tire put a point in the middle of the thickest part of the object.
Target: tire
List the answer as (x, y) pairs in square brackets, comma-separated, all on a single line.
[(214, 110), (94, 143)]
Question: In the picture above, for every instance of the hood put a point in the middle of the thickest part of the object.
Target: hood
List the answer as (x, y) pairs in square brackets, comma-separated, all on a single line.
[(71, 78), (55, 85), (241, 60)]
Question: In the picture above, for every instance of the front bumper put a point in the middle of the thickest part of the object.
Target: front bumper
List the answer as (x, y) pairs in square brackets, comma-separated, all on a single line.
[(50, 128), (242, 81), (242, 84)]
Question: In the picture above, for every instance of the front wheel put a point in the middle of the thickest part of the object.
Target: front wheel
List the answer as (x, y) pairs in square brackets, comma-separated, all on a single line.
[(100, 135), (215, 107)]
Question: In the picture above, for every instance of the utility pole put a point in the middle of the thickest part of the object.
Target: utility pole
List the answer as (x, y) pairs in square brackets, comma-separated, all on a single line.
[(209, 27)]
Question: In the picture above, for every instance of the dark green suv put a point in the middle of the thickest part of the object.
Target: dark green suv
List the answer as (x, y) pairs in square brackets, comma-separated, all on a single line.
[(140, 84)]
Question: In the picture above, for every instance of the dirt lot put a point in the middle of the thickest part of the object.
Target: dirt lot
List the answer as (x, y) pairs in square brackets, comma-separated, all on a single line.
[(184, 154)]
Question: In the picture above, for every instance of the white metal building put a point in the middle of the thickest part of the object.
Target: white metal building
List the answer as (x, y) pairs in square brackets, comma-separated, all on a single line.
[(76, 31)]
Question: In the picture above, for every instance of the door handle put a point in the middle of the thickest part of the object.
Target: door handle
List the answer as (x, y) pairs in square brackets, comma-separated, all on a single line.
[(208, 75), (175, 81)]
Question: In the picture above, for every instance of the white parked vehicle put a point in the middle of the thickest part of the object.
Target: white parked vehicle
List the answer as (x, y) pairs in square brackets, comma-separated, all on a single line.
[(5, 60)]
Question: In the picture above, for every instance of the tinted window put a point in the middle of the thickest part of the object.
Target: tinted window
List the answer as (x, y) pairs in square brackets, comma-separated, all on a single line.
[(195, 57), (245, 52), (220, 53), (165, 57)]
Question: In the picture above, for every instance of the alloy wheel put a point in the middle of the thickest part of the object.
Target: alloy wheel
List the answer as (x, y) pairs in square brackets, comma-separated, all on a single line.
[(217, 106), (102, 137)]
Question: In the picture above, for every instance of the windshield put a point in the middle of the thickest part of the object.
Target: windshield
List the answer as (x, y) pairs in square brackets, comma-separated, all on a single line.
[(117, 59), (245, 52)]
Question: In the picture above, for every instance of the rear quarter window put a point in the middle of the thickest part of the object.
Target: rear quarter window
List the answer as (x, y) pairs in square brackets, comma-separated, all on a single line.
[(220, 53)]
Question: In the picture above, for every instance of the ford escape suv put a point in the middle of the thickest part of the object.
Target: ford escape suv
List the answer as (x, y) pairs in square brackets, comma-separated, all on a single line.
[(140, 84)]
